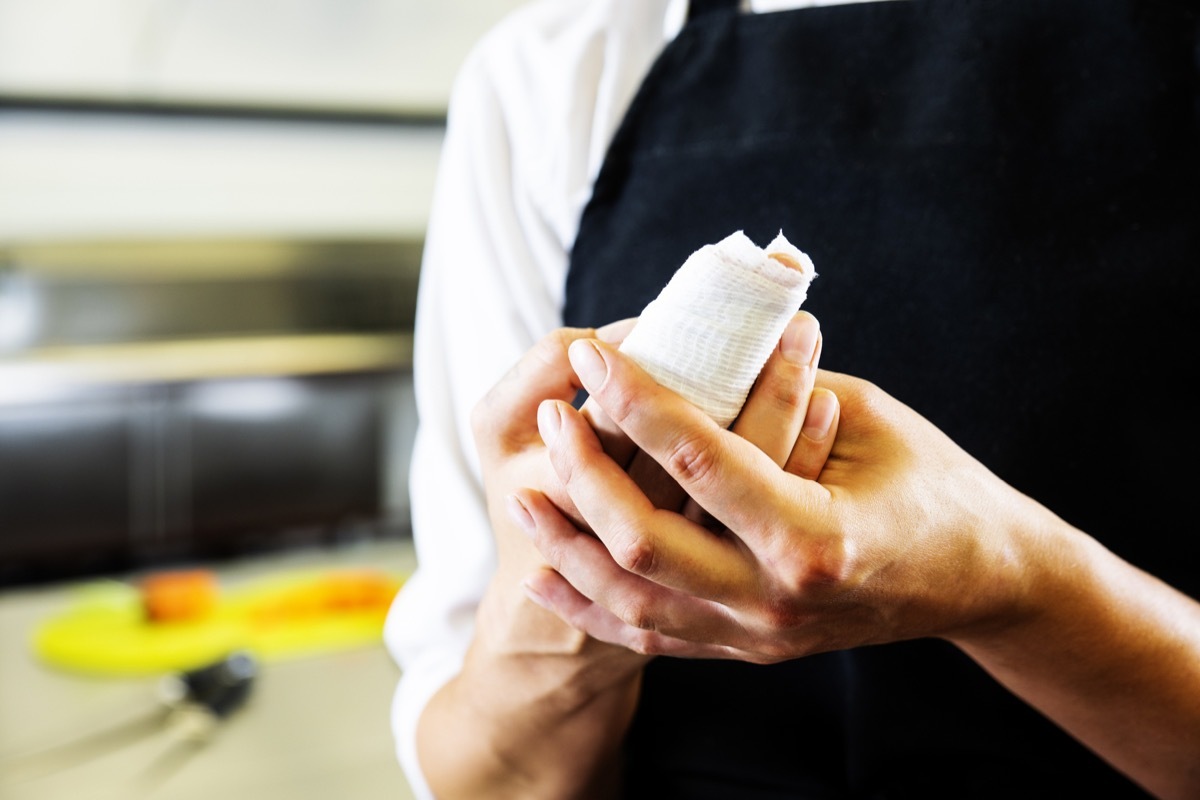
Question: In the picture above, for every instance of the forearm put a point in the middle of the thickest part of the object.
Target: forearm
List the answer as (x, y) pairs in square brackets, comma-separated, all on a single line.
[(544, 718), (1109, 653)]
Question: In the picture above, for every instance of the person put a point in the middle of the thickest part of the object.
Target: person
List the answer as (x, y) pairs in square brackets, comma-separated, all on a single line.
[(1000, 201)]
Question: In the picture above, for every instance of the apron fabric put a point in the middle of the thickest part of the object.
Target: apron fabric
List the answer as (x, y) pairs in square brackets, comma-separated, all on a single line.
[(1001, 200)]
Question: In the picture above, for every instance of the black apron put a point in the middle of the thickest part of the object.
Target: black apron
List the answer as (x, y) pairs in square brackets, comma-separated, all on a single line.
[(1001, 200)]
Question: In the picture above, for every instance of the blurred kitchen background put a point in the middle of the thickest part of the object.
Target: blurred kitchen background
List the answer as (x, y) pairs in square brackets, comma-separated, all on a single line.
[(211, 221)]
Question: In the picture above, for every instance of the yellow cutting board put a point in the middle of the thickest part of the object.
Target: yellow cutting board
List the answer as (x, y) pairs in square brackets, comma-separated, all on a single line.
[(106, 630)]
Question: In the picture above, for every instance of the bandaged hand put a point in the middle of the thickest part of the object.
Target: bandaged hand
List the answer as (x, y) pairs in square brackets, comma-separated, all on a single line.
[(903, 535), (781, 404)]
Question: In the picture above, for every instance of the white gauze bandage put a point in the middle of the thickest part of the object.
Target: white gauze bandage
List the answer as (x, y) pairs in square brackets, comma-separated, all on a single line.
[(712, 328)]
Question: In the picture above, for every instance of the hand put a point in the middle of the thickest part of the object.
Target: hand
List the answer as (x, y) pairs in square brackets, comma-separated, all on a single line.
[(547, 705), (904, 535), (513, 454)]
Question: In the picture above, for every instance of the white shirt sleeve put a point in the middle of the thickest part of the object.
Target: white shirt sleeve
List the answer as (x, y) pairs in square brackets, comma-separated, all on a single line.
[(531, 113)]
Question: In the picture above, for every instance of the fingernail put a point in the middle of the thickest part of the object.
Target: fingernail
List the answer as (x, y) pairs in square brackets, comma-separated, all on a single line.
[(549, 422), (589, 365), (822, 407), (520, 514), (800, 339)]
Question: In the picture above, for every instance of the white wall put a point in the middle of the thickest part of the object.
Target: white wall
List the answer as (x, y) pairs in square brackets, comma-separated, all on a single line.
[(94, 175), (97, 176), (391, 55)]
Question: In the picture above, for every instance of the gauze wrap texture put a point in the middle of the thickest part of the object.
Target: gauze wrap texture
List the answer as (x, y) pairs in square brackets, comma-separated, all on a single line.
[(713, 326)]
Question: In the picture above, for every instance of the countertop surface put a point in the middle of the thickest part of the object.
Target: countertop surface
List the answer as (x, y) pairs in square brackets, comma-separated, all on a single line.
[(314, 727)]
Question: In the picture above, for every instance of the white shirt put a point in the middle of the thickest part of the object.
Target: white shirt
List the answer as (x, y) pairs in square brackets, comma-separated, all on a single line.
[(531, 115)]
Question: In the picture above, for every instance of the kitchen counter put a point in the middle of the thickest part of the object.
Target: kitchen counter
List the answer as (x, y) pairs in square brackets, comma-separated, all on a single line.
[(314, 727)]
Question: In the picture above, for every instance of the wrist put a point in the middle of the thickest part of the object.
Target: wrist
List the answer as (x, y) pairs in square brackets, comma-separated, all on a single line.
[(540, 724), (1027, 569), (515, 636), (499, 730), (1049, 582)]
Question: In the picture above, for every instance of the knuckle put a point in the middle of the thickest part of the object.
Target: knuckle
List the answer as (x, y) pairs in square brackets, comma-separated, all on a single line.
[(872, 402), (551, 349), (642, 642), (822, 565), (636, 552), (618, 403), (785, 390), (831, 564), (781, 613), (638, 613), (691, 461)]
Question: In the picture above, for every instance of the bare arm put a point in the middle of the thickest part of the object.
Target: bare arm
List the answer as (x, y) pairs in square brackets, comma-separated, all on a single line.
[(1111, 654)]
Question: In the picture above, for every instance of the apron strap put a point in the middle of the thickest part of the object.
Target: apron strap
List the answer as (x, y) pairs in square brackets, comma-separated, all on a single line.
[(702, 8)]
